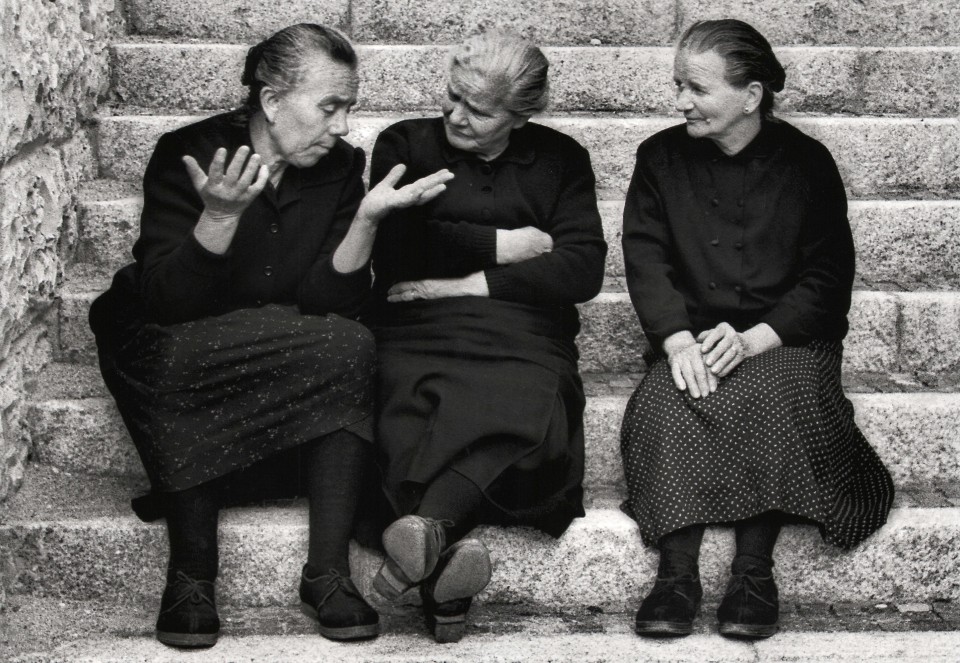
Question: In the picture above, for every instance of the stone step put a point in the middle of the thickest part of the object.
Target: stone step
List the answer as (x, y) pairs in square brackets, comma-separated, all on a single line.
[(911, 81), (75, 427), (878, 157), (76, 539), (886, 632), (618, 22), (891, 333), (912, 244)]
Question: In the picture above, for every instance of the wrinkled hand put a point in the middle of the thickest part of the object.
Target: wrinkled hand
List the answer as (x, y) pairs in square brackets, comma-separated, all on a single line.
[(723, 349), (384, 198), (227, 190), (690, 373), (408, 291), (522, 244)]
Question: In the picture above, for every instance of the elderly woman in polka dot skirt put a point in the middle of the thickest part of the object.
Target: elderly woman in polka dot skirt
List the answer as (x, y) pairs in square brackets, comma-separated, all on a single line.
[(740, 263)]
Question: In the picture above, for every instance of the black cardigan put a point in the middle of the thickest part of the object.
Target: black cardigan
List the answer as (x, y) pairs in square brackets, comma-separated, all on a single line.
[(761, 236), (284, 243), (543, 179)]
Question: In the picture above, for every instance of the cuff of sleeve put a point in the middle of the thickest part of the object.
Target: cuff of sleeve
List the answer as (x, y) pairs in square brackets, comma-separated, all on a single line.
[(357, 279), (484, 244), (196, 258), (497, 283), (786, 323)]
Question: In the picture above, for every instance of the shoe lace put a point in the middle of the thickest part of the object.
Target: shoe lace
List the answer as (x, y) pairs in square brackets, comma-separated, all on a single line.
[(438, 530), (749, 585), (331, 582), (190, 589), (664, 587)]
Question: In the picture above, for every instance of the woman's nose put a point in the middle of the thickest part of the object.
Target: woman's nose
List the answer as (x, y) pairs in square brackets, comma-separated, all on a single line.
[(682, 101), (340, 126), (456, 114)]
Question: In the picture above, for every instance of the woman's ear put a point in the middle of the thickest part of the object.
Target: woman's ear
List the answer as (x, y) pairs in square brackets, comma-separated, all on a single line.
[(269, 101), (754, 95)]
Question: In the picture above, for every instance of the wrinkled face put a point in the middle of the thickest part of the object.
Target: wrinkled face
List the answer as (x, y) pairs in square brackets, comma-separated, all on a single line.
[(475, 121), (304, 123), (712, 107)]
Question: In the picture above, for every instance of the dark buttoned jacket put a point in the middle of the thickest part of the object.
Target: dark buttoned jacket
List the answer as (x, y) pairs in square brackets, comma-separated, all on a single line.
[(761, 236)]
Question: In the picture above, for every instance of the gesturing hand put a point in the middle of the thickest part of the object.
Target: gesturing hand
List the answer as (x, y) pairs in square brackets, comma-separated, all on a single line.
[(521, 244), (226, 191), (723, 349), (384, 198)]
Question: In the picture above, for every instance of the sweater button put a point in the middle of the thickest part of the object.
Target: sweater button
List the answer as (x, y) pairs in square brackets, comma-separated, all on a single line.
[(268, 271), (486, 168), (274, 228), (487, 189), (714, 242), (737, 289), (738, 246), (713, 286), (715, 202)]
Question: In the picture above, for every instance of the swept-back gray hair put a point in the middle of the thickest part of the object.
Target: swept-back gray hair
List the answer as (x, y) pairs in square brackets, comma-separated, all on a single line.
[(507, 66)]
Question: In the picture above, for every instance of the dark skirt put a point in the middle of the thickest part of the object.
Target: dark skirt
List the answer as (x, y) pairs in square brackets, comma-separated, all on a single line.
[(489, 389), (777, 435), (206, 398)]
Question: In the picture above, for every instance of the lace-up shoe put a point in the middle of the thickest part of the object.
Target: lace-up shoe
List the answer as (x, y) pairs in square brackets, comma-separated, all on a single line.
[(339, 607), (413, 546), (750, 606), (670, 607), (188, 612), (462, 572)]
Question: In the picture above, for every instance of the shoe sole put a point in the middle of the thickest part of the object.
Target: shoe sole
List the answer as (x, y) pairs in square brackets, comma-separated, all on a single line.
[(407, 562), (447, 629), (187, 639), (359, 632), (466, 573), (663, 628), (754, 631)]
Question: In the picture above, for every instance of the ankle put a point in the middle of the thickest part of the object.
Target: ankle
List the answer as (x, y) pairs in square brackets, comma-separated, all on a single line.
[(676, 564), (751, 564)]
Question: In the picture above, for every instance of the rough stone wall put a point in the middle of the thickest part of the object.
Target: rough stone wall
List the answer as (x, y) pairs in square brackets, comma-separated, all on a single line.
[(53, 70)]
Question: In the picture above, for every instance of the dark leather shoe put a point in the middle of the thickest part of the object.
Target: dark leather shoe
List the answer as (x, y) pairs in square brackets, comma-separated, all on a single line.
[(339, 607), (462, 572), (413, 546), (188, 612), (751, 606), (670, 607)]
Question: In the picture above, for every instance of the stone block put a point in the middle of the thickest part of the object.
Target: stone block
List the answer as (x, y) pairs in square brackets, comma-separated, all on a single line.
[(76, 339), (916, 81), (108, 230), (909, 243), (231, 19), (875, 23), (872, 344), (614, 22), (598, 562), (878, 157), (611, 340), (930, 328), (53, 68)]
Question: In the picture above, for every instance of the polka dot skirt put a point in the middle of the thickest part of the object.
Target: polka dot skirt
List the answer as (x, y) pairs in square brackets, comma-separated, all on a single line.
[(778, 434)]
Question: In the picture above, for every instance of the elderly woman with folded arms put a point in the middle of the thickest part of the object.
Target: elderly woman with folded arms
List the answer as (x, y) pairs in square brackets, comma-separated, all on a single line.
[(480, 402)]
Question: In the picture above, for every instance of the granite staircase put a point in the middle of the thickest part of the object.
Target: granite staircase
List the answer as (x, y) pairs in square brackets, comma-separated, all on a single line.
[(876, 81)]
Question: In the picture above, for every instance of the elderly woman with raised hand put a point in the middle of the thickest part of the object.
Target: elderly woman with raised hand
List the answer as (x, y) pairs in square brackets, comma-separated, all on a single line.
[(229, 345), (480, 402), (740, 263)]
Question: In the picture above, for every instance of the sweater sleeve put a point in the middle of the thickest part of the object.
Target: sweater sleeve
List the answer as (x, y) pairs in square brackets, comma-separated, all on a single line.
[(647, 250), (324, 289), (821, 296), (573, 271), (179, 279), (438, 247)]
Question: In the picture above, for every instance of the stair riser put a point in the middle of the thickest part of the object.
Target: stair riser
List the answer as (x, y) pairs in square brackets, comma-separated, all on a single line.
[(599, 561), (404, 78), (878, 157), (897, 242), (652, 22), (914, 434)]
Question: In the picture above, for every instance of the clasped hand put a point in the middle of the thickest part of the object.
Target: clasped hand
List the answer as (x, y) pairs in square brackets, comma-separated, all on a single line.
[(227, 190), (698, 364)]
